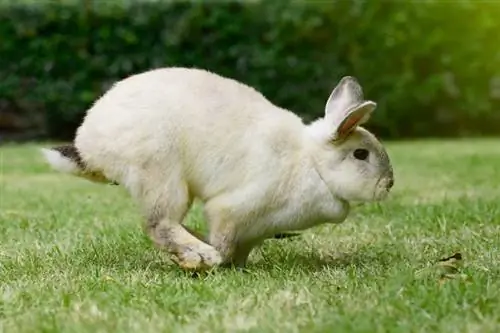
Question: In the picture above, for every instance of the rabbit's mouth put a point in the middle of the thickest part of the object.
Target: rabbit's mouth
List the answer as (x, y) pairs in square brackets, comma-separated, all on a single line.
[(383, 187)]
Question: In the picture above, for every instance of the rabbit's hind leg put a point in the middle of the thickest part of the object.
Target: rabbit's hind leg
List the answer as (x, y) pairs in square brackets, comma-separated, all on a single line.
[(164, 226)]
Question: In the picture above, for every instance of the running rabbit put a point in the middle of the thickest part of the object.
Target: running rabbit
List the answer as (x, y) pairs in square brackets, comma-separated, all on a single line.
[(171, 135)]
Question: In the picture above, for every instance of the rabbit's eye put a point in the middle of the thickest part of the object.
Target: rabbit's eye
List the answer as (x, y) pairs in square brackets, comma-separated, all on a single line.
[(361, 154)]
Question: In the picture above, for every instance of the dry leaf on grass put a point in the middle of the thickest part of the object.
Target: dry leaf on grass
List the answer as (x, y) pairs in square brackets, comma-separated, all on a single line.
[(450, 268), (451, 264)]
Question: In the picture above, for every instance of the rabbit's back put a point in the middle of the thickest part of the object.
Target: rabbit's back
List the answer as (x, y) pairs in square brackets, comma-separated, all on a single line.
[(214, 130)]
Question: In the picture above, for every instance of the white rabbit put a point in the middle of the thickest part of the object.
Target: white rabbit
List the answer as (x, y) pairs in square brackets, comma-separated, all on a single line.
[(174, 134)]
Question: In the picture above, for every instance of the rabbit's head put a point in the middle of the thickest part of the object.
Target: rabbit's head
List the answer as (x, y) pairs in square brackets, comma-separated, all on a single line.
[(350, 160)]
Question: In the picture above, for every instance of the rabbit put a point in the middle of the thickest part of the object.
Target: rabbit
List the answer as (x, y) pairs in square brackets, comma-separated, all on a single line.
[(171, 135)]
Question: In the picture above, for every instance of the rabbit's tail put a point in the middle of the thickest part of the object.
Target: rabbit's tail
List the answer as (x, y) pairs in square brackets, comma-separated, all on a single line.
[(67, 159)]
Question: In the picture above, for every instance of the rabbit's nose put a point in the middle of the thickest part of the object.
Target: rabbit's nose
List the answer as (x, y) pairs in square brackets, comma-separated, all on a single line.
[(390, 183)]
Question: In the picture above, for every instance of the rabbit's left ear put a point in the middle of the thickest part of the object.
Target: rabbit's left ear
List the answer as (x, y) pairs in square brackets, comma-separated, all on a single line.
[(346, 108)]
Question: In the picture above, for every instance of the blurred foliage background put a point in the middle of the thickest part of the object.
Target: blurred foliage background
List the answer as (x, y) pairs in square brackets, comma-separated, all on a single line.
[(432, 66)]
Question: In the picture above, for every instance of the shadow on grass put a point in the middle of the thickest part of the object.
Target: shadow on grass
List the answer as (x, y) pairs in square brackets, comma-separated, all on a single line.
[(367, 256), (138, 255), (143, 256)]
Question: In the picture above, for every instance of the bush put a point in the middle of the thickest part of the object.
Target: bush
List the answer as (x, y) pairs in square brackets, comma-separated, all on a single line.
[(433, 67)]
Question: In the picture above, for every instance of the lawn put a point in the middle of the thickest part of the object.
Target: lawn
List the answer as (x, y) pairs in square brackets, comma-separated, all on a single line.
[(73, 257)]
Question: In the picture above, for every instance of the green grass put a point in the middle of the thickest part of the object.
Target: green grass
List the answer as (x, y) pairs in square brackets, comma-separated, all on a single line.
[(73, 257)]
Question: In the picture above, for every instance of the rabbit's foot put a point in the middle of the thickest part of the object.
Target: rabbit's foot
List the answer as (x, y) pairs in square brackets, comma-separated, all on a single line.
[(196, 257)]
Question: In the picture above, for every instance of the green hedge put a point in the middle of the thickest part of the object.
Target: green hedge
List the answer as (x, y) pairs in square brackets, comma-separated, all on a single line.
[(433, 66)]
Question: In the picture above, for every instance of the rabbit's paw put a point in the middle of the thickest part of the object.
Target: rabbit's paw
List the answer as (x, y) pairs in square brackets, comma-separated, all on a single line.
[(197, 257)]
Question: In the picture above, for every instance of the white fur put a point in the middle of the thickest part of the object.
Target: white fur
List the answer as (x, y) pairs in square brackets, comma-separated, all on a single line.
[(59, 162), (174, 134)]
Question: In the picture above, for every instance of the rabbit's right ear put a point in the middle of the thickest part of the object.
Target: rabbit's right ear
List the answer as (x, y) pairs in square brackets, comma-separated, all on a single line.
[(346, 108)]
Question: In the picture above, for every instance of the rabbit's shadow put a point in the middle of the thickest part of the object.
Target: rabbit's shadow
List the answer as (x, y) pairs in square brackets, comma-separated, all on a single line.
[(365, 256), (268, 259)]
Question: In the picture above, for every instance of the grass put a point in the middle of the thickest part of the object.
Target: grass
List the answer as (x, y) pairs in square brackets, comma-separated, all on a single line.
[(73, 257)]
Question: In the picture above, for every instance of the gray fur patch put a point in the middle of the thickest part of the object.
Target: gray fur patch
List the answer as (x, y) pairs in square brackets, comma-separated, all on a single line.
[(153, 219)]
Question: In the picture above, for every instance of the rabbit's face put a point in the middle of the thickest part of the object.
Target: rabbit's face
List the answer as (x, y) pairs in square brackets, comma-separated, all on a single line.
[(357, 169), (350, 160)]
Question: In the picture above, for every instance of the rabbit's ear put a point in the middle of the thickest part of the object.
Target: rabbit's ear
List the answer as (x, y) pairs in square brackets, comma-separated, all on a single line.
[(346, 109)]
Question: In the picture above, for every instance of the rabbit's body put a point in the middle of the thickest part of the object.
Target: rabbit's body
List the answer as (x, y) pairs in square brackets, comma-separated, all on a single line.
[(175, 134)]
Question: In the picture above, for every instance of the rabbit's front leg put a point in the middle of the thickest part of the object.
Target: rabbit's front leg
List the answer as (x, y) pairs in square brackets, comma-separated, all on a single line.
[(236, 254), (242, 252), (220, 214), (228, 217), (222, 236), (233, 252)]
